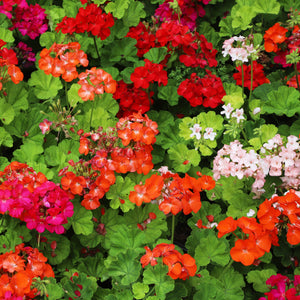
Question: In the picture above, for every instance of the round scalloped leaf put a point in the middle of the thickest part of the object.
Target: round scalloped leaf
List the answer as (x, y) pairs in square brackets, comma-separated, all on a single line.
[(284, 101), (182, 158), (235, 99)]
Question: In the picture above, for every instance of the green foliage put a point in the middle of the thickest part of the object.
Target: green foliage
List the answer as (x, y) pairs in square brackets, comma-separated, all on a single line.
[(44, 86), (157, 275), (120, 191), (284, 101), (258, 278), (81, 221)]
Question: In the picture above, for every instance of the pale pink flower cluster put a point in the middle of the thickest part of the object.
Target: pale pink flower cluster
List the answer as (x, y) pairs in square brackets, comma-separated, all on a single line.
[(275, 159), (238, 49)]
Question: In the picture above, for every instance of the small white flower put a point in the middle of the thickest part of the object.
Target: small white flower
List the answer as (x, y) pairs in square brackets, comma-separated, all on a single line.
[(228, 109), (251, 213), (209, 134), (256, 110), (196, 129), (239, 115)]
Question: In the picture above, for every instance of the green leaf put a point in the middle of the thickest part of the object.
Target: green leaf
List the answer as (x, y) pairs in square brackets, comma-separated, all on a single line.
[(7, 35), (140, 290), (9, 240), (7, 113), (211, 249), (91, 240), (5, 138), (45, 86), (82, 220), (120, 49), (125, 238), (265, 132), (242, 15), (157, 275), (227, 29), (61, 154), (54, 290), (88, 284), (29, 152), (71, 7), (134, 13), (284, 101), (295, 128), (259, 278), (232, 284), (154, 229), (182, 158), (267, 7), (73, 96), (180, 292), (62, 249), (168, 93), (124, 265), (117, 8), (235, 99), (17, 95), (156, 55), (120, 192), (92, 266)]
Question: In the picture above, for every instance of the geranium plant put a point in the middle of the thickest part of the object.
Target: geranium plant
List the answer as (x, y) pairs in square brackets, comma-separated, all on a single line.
[(149, 149)]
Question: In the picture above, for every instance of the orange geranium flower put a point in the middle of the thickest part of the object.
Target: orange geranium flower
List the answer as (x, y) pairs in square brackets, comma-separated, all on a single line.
[(293, 234), (226, 226), (15, 74), (21, 283), (148, 258), (273, 36), (12, 262), (245, 251)]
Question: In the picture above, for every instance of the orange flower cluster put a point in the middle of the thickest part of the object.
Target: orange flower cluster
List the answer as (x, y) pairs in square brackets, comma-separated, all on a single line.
[(18, 270), (24, 175), (8, 68), (66, 58), (180, 266), (172, 193), (274, 215), (95, 81), (273, 36), (111, 152)]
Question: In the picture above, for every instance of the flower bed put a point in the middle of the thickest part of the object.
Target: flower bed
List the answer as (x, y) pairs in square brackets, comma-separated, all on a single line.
[(149, 149)]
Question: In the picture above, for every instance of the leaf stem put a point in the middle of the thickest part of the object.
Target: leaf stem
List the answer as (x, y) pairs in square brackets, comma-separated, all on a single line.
[(96, 47), (251, 82), (297, 79), (173, 229), (92, 111), (242, 69)]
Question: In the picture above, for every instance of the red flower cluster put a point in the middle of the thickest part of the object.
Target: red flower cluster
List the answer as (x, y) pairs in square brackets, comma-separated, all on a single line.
[(259, 77), (8, 68), (274, 215), (187, 11), (93, 178), (18, 271), (89, 19), (28, 196), (197, 51), (207, 91), (145, 39), (172, 193), (95, 81), (132, 99), (30, 20), (151, 72), (66, 58), (180, 266), (273, 36)]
